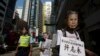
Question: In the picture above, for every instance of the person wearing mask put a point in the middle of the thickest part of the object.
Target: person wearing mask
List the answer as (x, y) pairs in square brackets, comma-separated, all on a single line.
[(45, 45), (71, 23), (24, 47)]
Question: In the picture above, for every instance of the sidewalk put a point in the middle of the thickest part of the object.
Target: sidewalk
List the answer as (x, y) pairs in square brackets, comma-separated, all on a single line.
[(10, 53)]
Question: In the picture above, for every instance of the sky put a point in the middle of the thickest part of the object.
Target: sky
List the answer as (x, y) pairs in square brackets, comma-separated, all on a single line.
[(19, 6), (19, 12), (19, 3)]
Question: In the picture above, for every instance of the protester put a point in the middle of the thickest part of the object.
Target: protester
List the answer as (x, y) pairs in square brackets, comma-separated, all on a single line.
[(71, 23)]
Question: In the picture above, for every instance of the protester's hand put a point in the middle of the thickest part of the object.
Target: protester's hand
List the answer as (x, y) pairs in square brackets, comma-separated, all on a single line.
[(90, 53), (31, 50), (30, 53), (42, 49), (16, 52)]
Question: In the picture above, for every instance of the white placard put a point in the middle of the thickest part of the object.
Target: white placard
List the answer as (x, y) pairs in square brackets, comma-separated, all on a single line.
[(71, 47)]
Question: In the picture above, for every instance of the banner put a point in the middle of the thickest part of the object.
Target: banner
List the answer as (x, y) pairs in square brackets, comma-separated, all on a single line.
[(71, 47)]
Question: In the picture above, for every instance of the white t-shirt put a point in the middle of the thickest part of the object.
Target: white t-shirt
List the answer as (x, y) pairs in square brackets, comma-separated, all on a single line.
[(47, 45), (60, 34)]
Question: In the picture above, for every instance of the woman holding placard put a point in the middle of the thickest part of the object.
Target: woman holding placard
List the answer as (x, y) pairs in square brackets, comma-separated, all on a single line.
[(69, 31)]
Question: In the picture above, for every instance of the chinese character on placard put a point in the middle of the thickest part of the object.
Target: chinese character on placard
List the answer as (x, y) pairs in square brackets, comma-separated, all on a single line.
[(72, 49), (66, 47), (78, 50)]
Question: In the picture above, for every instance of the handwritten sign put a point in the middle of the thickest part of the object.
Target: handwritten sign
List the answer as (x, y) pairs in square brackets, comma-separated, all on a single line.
[(71, 47)]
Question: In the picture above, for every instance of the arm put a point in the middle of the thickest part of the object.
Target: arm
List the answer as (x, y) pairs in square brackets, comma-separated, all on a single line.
[(59, 34), (17, 46), (31, 42), (47, 44), (31, 48), (40, 46), (30, 52), (30, 45), (90, 53)]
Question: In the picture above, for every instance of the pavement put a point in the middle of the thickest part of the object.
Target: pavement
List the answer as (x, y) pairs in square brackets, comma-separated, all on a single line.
[(10, 53)]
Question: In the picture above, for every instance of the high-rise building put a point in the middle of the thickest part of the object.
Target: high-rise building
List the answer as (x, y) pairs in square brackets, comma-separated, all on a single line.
[(25, 12), (9, 13), (32, 13), (3, 7), (40, 19), (6, 15), (44, 18), (47, 7)]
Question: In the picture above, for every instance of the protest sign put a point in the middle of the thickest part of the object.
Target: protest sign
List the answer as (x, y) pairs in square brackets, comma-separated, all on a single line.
[(71, 47)]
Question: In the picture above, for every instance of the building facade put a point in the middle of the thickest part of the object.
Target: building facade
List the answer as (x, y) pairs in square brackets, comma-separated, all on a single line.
[(6, 15), (40, 19), (6, 11), (32, 13), (47, 8), (9, 14), (25, 10), (3, 7)]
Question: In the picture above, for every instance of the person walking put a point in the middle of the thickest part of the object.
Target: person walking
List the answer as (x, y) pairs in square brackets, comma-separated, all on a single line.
[(45, 46), (24, 47)]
